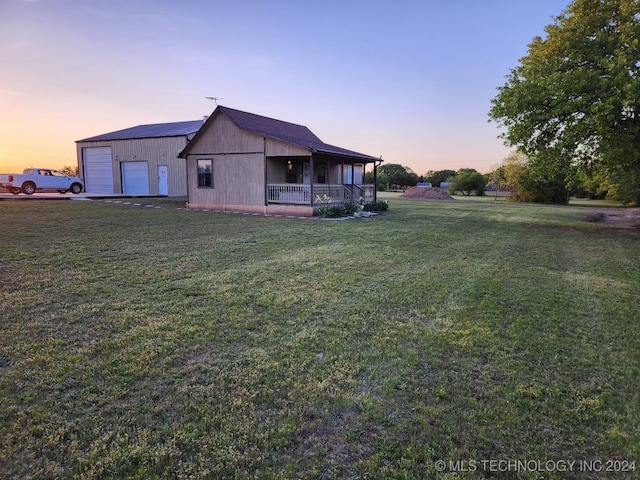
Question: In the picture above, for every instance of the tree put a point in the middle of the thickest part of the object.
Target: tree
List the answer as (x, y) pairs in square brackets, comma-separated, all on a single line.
[(507, 176), (530, 181), (575, 97), (468, 181), (394, 175), (438, 176), (545, 180), (593, 184), (71, 171)]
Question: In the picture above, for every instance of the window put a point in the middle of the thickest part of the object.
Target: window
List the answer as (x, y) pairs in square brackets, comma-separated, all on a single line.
[(205, 173)]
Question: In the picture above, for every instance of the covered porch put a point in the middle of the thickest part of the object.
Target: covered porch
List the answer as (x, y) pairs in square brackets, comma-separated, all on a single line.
[(318, 180)]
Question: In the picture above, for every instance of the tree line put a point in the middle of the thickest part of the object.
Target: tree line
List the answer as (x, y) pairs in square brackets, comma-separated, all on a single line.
[(393, 176), (517, 176), (570, 110)]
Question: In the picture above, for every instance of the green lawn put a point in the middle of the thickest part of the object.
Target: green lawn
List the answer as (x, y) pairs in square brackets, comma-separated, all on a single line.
[(166, 343)]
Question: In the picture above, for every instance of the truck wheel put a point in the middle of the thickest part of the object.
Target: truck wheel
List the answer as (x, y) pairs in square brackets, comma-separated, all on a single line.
[(15, 191), (28, 188), (76, 188)]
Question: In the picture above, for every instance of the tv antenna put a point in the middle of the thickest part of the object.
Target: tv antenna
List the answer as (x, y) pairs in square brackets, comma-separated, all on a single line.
[(214, 99)]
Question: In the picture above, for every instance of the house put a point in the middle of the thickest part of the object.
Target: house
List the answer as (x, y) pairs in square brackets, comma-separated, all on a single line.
[(240, 161), (141, 160)]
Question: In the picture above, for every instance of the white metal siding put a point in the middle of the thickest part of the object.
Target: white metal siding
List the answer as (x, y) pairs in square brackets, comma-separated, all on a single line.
[(135, 178), (98, 170)]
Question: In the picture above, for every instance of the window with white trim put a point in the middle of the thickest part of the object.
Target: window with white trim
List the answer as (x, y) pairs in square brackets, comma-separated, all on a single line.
[(205, 173)]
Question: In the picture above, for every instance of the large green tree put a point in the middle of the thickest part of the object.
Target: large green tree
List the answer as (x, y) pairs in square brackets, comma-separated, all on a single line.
[(436, 177), (394, 175), (575, 97), (468, 181)]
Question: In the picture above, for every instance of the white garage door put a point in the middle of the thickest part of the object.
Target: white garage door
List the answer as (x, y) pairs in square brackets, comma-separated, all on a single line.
[(135, 178), (98, 170)]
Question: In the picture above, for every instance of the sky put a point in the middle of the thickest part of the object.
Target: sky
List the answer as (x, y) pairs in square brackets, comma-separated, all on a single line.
[(410, 81)]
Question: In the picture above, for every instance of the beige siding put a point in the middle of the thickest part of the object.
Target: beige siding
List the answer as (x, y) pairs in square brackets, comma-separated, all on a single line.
[(155, 151), (238, 179), (222, 136), (338, 170), (238, 165), (276, 171), (335, 174), (275, 148)]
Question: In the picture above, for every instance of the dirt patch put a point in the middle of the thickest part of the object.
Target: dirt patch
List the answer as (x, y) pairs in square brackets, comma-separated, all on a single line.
[(426, 193), (626, 220), (622, 217)]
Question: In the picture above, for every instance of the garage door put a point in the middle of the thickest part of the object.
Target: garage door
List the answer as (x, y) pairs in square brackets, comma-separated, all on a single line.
[(98, 170), (135, 178)]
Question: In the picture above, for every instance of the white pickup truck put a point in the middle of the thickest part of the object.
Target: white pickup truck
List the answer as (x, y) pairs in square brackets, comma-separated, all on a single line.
[(40, 179)]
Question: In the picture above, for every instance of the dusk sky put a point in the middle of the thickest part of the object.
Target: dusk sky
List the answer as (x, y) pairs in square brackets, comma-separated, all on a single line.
[(407, 80)]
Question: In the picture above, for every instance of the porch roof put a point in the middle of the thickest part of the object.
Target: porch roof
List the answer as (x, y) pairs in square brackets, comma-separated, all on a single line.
[(291, 133)]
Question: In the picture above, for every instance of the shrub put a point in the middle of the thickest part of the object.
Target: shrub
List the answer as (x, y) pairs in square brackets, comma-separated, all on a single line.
[(329, 211), (351, 208), (377, 206)]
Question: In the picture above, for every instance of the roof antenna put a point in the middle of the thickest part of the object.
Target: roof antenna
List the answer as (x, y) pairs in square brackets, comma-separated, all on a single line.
[(214, 99)]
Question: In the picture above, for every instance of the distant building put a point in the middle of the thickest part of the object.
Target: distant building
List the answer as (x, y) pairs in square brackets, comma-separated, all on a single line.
[(141, 160)]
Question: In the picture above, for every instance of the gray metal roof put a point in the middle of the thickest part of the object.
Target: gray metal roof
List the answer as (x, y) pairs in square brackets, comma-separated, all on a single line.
[(157, 130)]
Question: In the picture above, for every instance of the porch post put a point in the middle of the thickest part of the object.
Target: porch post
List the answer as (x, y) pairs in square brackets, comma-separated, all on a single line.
[(266, 175), (311, 177), (375, 181), (342, 181), (328, 175)]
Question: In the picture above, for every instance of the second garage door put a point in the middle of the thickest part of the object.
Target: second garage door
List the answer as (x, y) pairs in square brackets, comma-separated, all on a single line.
[(135, 178)]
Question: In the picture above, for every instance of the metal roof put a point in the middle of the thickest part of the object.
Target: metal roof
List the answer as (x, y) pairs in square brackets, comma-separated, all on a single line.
[(156, 130), (287, 132), (291, 133)]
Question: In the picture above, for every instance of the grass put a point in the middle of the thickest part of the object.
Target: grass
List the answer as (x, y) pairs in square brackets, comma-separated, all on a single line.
[(164, 343)]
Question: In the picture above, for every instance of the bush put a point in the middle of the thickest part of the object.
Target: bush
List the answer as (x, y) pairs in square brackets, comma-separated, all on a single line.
[(351, 208), (468, 182), (329, 211), (377, 206)]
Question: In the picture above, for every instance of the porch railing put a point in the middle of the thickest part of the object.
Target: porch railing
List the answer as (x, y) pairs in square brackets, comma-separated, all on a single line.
[(364, 192), (289, 193), (301, 194)]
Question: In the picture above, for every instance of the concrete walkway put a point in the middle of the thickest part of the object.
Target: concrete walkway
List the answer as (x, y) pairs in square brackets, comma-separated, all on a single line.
[(61, 196)]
